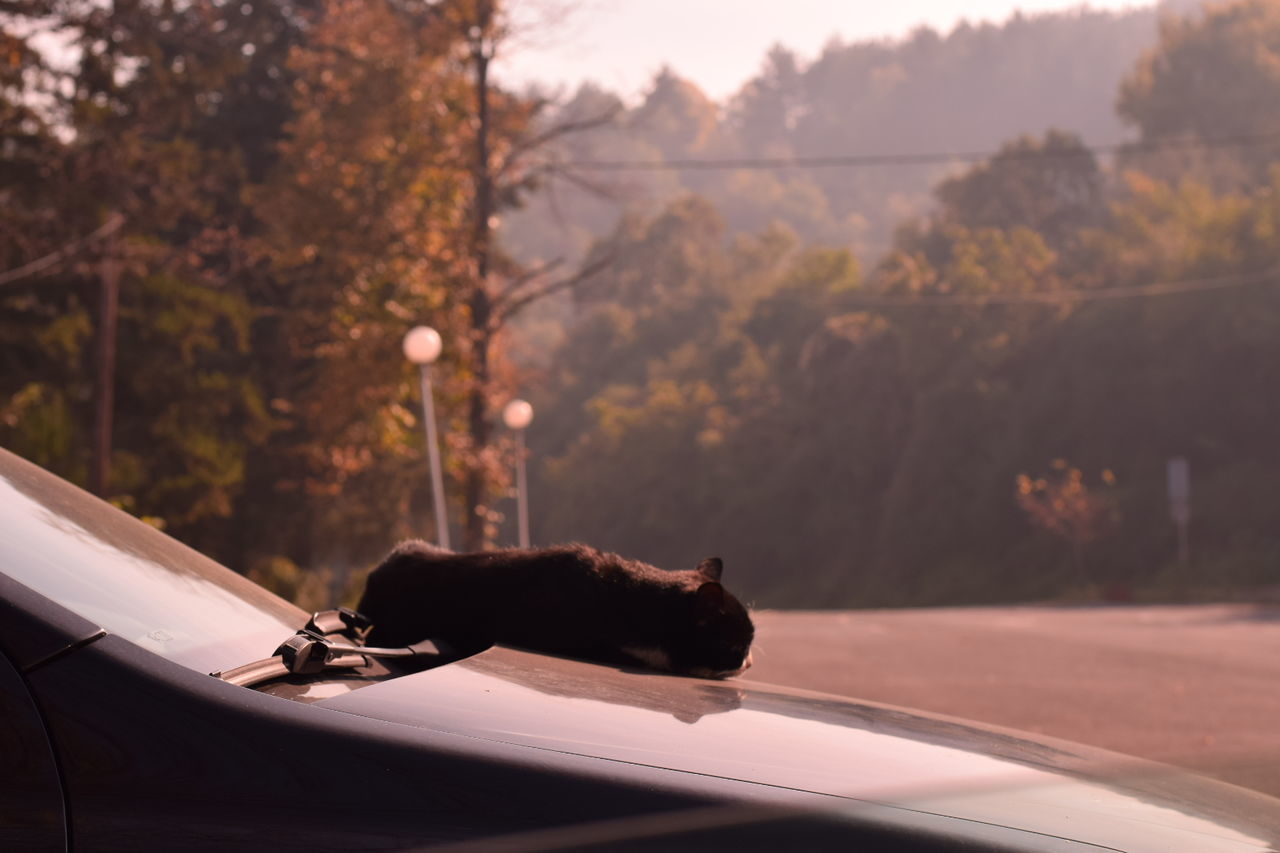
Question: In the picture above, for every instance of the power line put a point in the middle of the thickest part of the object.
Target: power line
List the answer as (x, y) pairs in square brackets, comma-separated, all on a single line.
[(929, 158), (112, 225), (1058, 297)]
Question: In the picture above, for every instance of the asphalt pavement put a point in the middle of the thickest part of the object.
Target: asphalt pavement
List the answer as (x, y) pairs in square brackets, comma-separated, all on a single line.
[(1196, 686)]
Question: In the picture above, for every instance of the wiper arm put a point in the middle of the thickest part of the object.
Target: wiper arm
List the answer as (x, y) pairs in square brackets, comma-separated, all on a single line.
[(312, 650)]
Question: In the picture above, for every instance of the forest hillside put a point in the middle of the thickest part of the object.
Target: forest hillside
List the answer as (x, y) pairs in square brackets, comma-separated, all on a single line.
[(933, 94), (917, 321)]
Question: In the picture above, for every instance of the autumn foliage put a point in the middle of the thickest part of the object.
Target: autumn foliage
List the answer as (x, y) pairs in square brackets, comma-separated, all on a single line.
[(1063, 505), (829, 376)]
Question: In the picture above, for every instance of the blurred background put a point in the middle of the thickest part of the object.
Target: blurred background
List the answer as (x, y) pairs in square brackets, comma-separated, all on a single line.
[(951, 311)]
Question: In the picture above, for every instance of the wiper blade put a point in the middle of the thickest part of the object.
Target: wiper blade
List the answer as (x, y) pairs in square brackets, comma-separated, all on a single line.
[(313, 650)]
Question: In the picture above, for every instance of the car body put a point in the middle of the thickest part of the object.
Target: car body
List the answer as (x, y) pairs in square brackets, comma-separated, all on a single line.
[(115, 736)]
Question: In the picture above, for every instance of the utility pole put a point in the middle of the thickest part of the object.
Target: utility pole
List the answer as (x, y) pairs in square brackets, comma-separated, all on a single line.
[(491, 303), (481, 300), (109, 268)]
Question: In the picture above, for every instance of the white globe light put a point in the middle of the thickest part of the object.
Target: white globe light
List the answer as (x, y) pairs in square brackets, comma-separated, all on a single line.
[(422, 345), (517, 415)]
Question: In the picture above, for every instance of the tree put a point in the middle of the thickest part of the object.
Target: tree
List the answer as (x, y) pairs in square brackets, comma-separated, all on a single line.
[(974, 88), (677, 117), (299, 182), (507, 160), (764, 114), (44, 321), (1213, 78), (1052, 186), (142, 149)]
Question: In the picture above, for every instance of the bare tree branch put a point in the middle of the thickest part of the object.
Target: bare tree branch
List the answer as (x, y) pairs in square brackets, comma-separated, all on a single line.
[(524, 278), (553, 133), (612, 192), (510, 307), (552, 191)]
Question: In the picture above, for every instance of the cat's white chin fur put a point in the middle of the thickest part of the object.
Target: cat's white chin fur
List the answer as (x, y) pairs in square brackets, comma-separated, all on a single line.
[(656, 658), (704, 672)]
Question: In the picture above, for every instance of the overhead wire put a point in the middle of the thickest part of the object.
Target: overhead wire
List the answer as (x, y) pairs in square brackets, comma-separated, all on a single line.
[(1041, 297), (924, 158), (40, 265), (870, 300), (1050, 297)]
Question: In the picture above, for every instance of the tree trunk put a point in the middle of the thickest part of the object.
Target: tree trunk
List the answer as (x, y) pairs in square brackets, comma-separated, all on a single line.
[(480, 303)]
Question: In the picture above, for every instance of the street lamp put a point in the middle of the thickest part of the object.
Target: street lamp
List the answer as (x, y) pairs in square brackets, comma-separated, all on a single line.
[(517, 416), (422, 346)]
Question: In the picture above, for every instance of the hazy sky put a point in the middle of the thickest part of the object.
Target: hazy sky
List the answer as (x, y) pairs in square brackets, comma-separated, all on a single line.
[(719, 44)]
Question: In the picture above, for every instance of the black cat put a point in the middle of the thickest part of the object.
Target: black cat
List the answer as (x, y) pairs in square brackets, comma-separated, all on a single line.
[(570, 599)]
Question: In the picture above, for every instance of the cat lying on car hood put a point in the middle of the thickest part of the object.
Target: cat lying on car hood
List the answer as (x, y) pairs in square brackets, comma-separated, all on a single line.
[(569, 599)]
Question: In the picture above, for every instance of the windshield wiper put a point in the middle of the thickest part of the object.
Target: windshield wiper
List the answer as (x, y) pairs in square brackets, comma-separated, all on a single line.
[(313, 649)]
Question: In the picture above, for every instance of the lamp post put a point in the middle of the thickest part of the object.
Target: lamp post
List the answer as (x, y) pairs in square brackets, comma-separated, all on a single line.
[(422, 346), (517, 415), (1179, 478)]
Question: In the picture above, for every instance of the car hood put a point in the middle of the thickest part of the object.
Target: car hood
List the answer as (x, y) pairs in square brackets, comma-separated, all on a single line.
[(803, 743)]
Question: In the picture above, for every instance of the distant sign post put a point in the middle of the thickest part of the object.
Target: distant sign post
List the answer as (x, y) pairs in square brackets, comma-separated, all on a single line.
[(1180, 502)]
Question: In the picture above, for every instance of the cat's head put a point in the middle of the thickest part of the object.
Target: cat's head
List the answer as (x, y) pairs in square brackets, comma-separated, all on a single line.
[(717, 639)]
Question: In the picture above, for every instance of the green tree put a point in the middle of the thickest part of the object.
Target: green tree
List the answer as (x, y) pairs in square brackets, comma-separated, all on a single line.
[(680, 395), (1051, 186), (765, 112), (1212, 77), (677, 117), (44, 320), (140, 142)]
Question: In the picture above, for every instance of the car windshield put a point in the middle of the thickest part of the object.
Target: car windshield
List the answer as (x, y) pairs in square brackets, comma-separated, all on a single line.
[(131, 579)]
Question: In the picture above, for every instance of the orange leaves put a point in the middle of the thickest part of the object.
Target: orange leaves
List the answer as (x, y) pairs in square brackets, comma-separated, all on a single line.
[(1063, 504)]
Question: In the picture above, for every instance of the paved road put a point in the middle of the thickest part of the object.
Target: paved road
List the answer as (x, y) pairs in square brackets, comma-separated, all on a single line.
[(1197, 686)]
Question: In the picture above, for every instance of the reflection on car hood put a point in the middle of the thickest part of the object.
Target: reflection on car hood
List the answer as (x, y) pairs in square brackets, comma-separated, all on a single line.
[(112, 570), (797, 741)]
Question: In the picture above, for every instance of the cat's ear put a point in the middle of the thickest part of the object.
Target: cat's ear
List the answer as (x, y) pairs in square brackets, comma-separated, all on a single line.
[(709, 598), (711, 568)]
